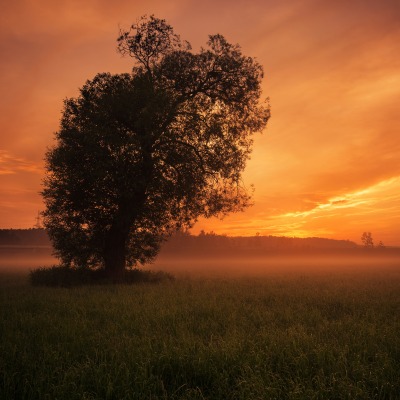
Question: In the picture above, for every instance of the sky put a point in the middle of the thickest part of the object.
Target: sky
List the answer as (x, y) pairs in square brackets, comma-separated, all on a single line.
[(328, 163)]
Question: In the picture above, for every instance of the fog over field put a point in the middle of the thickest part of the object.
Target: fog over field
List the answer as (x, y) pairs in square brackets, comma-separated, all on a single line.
[(225, 265), (222, 256), (253, 267), (25, 260)]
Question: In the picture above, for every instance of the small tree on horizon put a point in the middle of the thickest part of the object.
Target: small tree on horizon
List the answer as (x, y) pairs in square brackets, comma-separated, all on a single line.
[(139, 155), (367, 241)]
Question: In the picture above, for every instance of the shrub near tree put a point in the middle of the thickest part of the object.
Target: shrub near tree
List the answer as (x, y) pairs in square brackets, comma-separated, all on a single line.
[(139, 155)]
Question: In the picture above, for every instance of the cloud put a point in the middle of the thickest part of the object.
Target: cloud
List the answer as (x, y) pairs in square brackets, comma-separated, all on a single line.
[(10, 165), (332, 73), (374, 206)]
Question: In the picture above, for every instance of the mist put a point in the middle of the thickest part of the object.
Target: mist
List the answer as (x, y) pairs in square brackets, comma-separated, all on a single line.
[(211, 255), (22, 260), (272, 266)]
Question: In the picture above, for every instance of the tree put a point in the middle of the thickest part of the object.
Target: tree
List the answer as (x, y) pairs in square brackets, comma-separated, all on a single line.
[(367, 240), (140, 155)]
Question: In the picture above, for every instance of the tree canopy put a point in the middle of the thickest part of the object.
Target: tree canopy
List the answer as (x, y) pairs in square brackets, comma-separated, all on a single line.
[(141, 154)]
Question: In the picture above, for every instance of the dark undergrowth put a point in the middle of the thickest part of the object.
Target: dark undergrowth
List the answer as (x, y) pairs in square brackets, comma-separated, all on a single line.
[(61, 276)]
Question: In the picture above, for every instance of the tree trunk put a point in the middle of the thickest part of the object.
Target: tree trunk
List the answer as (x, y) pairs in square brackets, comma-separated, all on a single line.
[(115, 254)]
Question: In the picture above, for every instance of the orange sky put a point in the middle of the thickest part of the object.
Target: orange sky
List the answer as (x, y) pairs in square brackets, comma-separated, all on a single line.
[(327, 165)]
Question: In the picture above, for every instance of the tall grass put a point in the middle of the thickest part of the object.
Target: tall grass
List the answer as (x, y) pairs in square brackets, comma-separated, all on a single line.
[(61, 276), (297, 337)]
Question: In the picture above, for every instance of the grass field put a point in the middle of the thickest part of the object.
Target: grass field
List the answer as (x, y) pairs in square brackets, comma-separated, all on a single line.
[(293, 336)]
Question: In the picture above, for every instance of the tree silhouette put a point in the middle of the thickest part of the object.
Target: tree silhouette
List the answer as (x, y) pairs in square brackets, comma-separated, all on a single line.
[(366, 239), (139, 155)]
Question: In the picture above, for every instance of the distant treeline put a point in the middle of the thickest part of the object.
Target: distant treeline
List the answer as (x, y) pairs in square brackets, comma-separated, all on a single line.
[(187, 241), (24, 237), (213, 244), (208, 244)]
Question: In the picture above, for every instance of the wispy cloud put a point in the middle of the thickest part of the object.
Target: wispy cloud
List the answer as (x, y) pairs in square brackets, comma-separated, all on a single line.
[(331, 71), (10, 164), (369, 203)]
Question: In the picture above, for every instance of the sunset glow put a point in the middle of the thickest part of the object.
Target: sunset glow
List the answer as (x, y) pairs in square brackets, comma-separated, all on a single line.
[(327, 165)]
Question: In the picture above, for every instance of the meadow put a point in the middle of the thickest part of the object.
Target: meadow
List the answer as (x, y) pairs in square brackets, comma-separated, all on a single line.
[(279, 335)]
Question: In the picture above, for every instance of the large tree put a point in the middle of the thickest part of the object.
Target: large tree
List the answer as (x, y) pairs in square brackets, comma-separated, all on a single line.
[(139, 155)]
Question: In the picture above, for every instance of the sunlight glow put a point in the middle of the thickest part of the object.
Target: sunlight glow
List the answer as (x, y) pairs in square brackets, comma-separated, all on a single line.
[(368, 201), (328, 163)]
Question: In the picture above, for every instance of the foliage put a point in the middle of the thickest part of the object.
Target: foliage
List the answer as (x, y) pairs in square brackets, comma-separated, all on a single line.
[(367, 240), (293, 337), (139, 155)]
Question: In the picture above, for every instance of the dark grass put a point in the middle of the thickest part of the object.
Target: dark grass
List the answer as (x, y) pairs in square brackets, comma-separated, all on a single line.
[(60, 276), (314, 336)]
